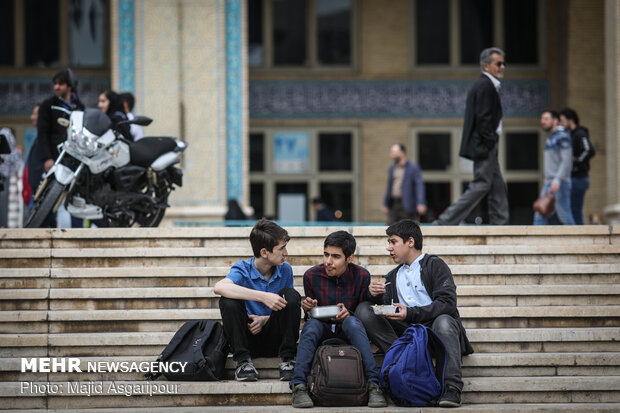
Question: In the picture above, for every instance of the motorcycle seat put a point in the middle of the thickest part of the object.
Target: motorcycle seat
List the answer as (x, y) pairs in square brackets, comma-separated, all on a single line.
[(144, 151)]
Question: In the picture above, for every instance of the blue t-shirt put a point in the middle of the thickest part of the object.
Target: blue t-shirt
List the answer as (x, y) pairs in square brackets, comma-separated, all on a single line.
[(245, 274)]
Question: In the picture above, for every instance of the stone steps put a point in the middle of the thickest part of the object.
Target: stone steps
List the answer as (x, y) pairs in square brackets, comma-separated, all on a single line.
[(593, 311), (541, 305), (542, 339), (472, 408), (162, 297), (225, 257), (592, 389), (475, 365)]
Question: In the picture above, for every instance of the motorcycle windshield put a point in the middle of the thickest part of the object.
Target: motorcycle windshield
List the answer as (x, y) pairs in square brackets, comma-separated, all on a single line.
[(96, 121)]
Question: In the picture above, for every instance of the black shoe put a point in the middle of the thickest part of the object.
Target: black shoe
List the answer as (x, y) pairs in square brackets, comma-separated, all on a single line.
[(301, 399), (452, 398), (375, 395), (286, 370), (246, 371)]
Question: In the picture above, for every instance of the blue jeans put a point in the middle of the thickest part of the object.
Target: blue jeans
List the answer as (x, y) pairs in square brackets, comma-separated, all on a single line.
[(577, 195), (562, 214), (315, 331)]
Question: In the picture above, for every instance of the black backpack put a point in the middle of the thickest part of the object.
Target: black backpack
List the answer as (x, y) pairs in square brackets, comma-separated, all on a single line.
[(337, 376), (200, 343)]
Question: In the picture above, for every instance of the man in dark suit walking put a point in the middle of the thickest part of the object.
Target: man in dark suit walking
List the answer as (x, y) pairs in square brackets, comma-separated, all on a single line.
[(481, 131)]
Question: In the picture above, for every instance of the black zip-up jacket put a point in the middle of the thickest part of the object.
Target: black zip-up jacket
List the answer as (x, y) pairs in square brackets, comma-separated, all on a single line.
[(52, 125), (582, 152), (439, 284)]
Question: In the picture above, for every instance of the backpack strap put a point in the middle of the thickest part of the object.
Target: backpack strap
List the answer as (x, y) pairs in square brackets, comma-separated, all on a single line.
[(174, 343), (334, 341), (207, 327)]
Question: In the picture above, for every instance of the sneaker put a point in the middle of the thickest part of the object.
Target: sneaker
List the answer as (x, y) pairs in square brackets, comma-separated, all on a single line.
[(286, 370), (246, 371), (375, 395), (301, 399), (452, 398)]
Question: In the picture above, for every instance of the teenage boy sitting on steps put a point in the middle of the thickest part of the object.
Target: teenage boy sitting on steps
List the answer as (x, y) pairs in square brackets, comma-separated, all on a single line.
[(422, 287), (259, 306), (335, 282)]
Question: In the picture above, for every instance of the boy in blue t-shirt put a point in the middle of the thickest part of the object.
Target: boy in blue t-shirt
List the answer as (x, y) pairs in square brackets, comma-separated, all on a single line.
[(259, 306)]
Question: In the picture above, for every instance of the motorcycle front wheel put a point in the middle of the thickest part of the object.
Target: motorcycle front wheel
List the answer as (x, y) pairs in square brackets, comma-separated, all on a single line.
[(42, 208)]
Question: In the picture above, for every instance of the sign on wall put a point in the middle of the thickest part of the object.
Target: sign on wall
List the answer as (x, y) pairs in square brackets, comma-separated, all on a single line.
[(291, 152)]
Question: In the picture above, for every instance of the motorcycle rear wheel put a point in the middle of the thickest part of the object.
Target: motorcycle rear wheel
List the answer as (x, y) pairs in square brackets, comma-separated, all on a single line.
[(153, 217), (48, 199)]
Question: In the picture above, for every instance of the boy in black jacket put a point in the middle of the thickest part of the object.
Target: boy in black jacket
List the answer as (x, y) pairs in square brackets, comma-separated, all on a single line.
[(423, 290)]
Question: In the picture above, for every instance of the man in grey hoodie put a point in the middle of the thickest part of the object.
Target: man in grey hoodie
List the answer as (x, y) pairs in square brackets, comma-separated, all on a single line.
[(558, 161)]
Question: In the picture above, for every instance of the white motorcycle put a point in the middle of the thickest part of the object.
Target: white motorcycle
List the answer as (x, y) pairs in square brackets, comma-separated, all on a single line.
[(105, 178)]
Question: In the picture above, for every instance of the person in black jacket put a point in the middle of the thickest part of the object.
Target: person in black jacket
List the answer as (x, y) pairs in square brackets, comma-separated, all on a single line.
[(481, 131), (423, 290), (54, 116), (582, 152)]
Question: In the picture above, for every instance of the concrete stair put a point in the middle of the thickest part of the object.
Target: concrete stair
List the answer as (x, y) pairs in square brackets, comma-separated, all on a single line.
[(541, 307)]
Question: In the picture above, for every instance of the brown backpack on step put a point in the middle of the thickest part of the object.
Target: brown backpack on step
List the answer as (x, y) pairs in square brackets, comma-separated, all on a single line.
[(337, 376)]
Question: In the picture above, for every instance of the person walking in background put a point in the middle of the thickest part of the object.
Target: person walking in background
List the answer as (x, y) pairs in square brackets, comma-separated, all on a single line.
[(481, 131), (558, 162), (128, 103), (405, 196), (582, 152)]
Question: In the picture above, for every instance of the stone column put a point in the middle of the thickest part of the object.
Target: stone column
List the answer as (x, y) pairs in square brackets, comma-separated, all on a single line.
[(612, 100), (185, 63)]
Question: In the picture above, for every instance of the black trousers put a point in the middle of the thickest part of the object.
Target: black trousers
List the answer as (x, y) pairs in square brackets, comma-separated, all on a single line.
[(278, 336), (383, 332)]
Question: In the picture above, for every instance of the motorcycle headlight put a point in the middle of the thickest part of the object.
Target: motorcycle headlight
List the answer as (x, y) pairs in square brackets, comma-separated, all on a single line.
[(84, 142)]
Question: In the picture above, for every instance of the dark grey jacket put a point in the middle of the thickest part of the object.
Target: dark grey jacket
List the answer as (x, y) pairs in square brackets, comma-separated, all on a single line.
[(439, 284)]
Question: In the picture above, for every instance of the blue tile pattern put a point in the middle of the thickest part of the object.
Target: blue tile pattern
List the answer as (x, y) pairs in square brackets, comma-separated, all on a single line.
[(234, 101), (18, 95), (385, 99), (126, 42)]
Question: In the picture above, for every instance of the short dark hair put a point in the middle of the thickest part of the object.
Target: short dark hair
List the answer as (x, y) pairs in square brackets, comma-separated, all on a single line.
[(64, 77), (569, 113), (342, 240), (554, 113), (129, 99), (402, 147), (407, 228), (267, 234)]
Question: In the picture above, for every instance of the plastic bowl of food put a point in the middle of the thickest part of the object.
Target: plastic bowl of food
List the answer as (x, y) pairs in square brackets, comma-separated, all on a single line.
[(327, 311), (384, 309)]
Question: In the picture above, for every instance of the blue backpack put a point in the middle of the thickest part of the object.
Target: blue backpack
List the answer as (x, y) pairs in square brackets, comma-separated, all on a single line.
[(408, 374)]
